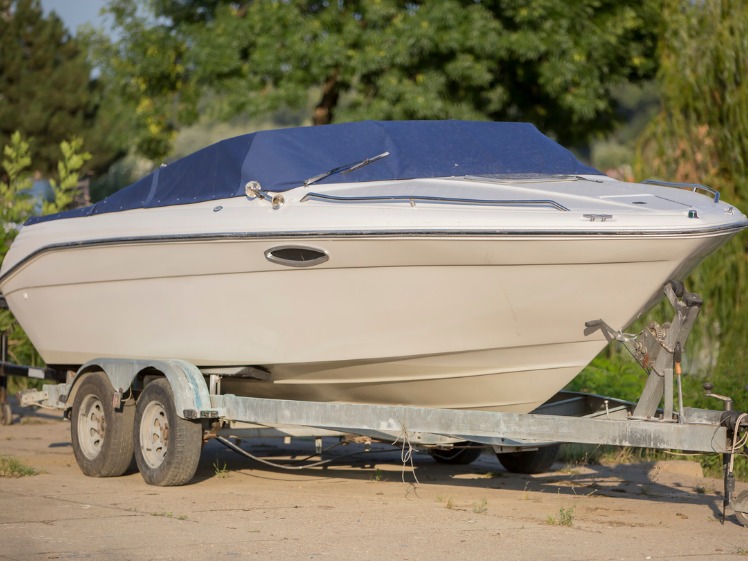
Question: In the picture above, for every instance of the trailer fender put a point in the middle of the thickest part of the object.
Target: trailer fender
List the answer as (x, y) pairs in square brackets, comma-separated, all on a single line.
[(191, 396)]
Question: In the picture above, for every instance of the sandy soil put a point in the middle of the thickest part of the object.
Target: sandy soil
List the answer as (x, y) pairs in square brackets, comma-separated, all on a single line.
[(366, 506)]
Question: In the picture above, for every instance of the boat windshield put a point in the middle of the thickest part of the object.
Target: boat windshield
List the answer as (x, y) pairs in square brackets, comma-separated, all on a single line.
[(348, 168)]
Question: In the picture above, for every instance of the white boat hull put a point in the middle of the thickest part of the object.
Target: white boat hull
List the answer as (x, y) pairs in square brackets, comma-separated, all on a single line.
[(474, 322)]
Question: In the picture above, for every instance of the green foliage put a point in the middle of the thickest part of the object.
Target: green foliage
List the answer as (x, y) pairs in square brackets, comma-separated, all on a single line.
[(712, 466), (11, 467), (548, 61), (612, 377), (16, 207), (68, 172), (565, 517), (701, 136), (46, 87)]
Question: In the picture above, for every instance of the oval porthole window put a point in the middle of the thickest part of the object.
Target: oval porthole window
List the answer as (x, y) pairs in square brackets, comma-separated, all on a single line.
[(296, 256)]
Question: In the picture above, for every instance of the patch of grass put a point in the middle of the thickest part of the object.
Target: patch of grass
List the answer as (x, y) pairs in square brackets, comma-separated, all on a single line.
[(565, 517), (163, 514), (166, 514), (493, 474), (450, 503), (18, 384), (712, 466), (480, 507), (590, 454), (378, 475), (221, 471), (11, 467), (574, 455)]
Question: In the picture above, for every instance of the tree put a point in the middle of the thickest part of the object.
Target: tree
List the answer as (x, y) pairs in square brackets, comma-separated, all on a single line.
[(46, 89), (546, 61), (701, 136), (16, 206)]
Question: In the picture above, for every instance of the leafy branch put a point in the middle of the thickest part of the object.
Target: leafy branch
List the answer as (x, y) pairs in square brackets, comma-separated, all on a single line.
[(17, 205)]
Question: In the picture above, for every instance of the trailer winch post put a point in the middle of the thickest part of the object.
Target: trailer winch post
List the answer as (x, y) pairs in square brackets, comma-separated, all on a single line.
[(659, 385), (658, 350)]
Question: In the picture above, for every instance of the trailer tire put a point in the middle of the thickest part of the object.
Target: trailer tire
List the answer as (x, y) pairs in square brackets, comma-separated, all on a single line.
[(6, 414), (742, 517), (101, 435), (462, 454), (167, 447), (532, 462)]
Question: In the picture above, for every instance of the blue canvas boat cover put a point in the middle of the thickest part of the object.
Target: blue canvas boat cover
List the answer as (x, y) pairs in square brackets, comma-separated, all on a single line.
[(284, 159)]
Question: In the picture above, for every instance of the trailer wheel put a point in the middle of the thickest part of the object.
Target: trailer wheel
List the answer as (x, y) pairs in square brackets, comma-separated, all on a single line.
[(462, 454), (101, 436), (168, 447), (532, 462), (6, 414), (742, 516)]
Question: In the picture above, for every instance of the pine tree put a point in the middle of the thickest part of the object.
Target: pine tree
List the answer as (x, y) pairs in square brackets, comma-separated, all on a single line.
[(46, 90)]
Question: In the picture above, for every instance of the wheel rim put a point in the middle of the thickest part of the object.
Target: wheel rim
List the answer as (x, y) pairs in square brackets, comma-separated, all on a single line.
[(91, 427), (154, 434)]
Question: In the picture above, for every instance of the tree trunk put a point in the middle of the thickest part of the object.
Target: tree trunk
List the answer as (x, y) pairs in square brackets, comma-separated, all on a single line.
[(330, 94)]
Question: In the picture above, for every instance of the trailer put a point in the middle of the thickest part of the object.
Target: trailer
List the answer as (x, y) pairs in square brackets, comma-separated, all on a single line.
[(162, 411)]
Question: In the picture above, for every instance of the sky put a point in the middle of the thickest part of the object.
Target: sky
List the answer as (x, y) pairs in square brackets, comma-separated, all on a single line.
[(76, 12)]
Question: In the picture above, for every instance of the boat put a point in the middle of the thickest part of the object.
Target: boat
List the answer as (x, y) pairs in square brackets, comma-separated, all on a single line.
[(447, 264)]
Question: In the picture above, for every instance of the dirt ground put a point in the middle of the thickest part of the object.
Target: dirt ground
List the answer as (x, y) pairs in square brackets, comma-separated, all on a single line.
[(358, 508)]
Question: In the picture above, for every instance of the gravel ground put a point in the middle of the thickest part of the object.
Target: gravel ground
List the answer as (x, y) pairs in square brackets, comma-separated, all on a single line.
[(367, 506)]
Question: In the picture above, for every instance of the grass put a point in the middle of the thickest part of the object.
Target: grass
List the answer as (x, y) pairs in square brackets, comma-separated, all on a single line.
[(378, 475), (11, 467), (493, 474), (221, 471), (565, 517), (169, 515), (574, 455), (480, 507), (448, 502)]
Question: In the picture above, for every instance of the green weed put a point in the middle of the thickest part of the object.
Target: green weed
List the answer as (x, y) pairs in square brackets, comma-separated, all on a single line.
[(221, 471), (11, 467), (480, 507), (565, 517), (378, 475)]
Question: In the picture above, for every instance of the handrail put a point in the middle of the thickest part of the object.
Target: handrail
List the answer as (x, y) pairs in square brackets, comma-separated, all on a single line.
[(430, 199), (692, 186)]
